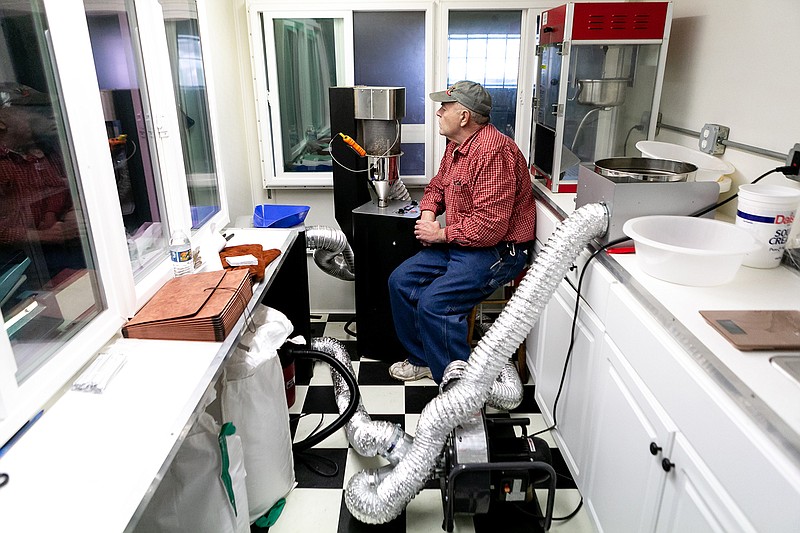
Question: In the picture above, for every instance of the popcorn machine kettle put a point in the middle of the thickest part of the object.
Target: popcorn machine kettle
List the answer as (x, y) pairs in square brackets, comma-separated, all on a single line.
[(599, 77)]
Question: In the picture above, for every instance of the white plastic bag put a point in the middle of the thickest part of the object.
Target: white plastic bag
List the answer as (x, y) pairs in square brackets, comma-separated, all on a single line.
[(197, 493), (254, 399)]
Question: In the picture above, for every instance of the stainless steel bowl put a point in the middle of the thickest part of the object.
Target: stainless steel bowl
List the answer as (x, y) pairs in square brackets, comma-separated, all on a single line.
[(632, 169), (609, 92)]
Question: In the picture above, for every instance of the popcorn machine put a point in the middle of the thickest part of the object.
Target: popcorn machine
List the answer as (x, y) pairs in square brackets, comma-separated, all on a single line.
[(599, 77)]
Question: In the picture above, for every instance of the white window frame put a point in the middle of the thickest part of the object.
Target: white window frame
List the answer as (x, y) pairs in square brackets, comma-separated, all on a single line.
[(527, 60), (77, 81), (436, 34), (265, 68)]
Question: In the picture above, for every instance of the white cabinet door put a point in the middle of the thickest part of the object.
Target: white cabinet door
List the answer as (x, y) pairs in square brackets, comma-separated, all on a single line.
[(694, 500), (573, 409), (625, 480)]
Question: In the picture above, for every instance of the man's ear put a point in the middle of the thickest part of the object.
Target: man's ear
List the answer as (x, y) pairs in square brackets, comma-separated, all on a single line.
[(465, 120)]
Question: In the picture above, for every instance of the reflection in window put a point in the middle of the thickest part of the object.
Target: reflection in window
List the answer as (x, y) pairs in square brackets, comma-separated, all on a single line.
[(191, 98), (484, 47), (49, 287), (126, 110), (306, 58)]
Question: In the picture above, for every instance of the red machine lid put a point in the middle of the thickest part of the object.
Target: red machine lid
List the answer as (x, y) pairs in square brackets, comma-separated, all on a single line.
[(606, 21)]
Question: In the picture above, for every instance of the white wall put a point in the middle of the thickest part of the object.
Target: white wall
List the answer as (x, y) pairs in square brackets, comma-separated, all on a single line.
[(735, 63), (730, 62)]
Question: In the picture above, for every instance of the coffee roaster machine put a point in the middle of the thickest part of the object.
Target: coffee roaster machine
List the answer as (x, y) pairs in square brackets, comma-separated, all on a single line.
[(370, 205)]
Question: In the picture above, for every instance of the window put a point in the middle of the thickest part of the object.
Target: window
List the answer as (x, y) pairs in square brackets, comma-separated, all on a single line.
[(316, 50), (89, 151), (305, 51), (391, 44), (191, 99), (129, 127), (485, 47), (389, 51), (49, 287)]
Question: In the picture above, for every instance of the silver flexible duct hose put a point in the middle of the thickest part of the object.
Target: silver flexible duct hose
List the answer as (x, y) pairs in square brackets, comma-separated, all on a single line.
[(399, 191), (368, 437), (332, 252), (376, 498), (506, 393)]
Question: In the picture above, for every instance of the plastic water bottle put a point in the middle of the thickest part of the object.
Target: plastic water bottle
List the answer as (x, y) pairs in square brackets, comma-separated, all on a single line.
[(180, 251)]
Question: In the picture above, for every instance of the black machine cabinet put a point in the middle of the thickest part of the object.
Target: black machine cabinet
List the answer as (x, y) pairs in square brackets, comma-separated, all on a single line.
[(383, 238)]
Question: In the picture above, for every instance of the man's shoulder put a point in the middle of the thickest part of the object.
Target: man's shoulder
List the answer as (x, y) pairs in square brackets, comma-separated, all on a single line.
[(492, 140), (491, 135)]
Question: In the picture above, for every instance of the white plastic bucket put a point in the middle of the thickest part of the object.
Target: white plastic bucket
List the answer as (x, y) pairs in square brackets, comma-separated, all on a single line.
[(767, 212)]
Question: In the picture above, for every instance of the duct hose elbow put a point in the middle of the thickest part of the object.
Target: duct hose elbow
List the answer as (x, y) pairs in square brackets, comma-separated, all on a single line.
[(506, 392), (398, 191), (368, 437), (332, 252)]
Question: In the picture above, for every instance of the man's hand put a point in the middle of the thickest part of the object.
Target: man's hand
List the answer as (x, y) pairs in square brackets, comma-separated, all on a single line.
[(428, 231), (59, 231)]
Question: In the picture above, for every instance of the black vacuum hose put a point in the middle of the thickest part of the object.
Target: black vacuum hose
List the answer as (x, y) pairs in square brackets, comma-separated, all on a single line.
[(355, 396)]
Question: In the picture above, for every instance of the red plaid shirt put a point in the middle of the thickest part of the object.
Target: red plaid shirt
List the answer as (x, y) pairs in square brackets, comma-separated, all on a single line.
[(484, 187), (30, 187)]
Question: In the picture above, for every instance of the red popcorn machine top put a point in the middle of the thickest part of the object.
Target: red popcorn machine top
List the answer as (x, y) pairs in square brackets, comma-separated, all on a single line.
[(599, 77)]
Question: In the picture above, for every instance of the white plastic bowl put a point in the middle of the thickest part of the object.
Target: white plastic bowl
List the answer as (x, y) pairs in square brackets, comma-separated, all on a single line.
[(699, 252), (709, 168)]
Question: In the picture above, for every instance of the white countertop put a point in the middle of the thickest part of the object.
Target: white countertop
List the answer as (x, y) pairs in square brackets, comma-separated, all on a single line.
[(768, 396), (752, 288), (93, 460)]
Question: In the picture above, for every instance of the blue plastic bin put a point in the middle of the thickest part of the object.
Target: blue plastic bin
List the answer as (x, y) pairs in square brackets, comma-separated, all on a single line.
[(279, 216)]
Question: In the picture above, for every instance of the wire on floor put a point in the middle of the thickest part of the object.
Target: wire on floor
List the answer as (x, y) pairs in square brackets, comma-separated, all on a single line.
[(348, 330)]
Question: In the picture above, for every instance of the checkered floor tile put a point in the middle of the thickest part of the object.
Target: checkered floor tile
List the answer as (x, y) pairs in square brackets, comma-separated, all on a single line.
[(317, 503)]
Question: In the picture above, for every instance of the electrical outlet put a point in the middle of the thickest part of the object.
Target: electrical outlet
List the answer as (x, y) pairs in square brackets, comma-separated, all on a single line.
[(711, 137), (793, 160)]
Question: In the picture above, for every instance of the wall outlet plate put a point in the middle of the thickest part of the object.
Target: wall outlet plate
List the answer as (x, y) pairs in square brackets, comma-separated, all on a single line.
[(793, 160), (711, 137)]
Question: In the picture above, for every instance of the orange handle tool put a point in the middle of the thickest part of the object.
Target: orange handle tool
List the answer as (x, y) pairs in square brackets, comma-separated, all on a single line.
[(353, 144)]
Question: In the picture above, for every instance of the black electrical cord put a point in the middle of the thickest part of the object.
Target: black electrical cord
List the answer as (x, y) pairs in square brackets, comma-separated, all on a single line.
[(785, 170), (313, 460), (570, 515), (300, 449), (347, 328), (355, 396), (573, 328)]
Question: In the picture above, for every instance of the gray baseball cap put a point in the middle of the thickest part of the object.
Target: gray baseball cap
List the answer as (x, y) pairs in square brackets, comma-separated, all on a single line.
[(467, 93)]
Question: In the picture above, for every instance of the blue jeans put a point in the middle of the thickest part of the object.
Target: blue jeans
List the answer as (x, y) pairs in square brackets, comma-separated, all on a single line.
[(432, 293)]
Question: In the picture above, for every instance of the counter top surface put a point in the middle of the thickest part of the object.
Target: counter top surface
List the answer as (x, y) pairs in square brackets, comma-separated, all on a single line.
[(96, 459), (769, 397)]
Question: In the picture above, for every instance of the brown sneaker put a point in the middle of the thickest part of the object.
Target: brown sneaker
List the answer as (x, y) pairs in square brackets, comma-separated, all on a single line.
[(405, 371)]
